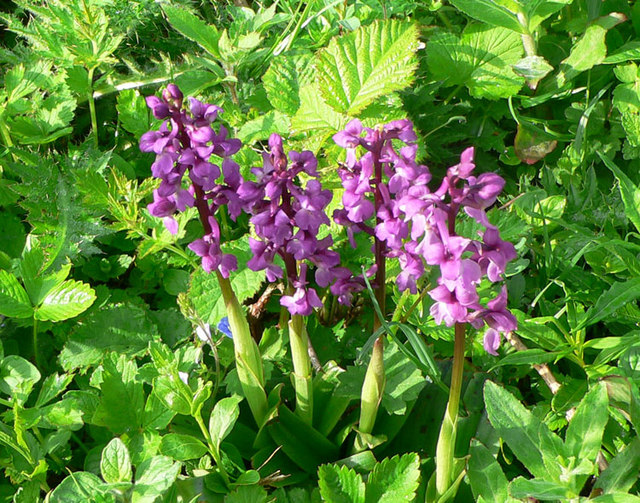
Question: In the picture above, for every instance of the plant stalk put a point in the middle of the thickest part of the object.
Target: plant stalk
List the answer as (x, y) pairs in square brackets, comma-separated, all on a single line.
[(299, 340), (92, 107), (36, 357), (447, 437)]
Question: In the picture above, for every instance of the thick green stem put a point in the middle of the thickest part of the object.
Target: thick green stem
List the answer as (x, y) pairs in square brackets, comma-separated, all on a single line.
[(299, 341), (447, 438), (372, 390), (248, 361), (92, 107)]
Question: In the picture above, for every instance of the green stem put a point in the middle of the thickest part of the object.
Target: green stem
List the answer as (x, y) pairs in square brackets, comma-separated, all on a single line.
[(36, 358), (213, 449), (92, 107), (299, 341), (447, 437), (247, 355)]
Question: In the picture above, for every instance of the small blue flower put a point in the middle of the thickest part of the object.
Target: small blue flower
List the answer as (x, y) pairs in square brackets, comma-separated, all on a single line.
[(224, 327)]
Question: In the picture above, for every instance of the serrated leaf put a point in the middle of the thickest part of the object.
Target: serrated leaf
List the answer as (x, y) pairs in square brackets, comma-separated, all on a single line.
[(79, 486), (133, 113), (481, 59), (394, 479), (247, 494), (205, 291), (286, 75), (223, 418), (124, 329), (526, 435), (115, 463), (120, 386), (315, 115), (491, 12), (65, 301), (340, 484), (14, 301), (182, 447), (356, 69), (194, 28)]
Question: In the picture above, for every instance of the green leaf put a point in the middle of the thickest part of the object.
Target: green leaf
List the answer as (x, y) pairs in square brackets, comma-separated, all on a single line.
[(481, 59), (628, 52), (65, 301), (485, 475), (223, 418), (527, 357), (492, 12), (17, 377), (526, 435), (192, 27), (247, 494), (618, 296), (544, 490), (616, 498), (339, 484), (394, 479), (120, 386), (262, 127), (154, 476), (537, 11), (532, 67), (584, 434), (14, 301), (133, 113), (589, 51), (80, 486), (182, 447), (52, 386), (622, 472), (286, 75), (628, 190), (115, 463), (205, 291), (358, 68), (315, 115), (123, 328)]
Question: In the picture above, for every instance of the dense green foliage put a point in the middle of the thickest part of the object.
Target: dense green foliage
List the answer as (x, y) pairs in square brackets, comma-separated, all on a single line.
[(110, 392)]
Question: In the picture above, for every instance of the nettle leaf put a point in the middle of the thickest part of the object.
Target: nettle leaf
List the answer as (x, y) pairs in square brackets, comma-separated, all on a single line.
[(194, 28), (394, 479), (14, 301), (286, 75), (205, 292), (115, 463), (340, 484), (125, 329), (358, 68), (525, 434), (482, 59), (133, 113), (121, 407), (65, 301), (182, 447)]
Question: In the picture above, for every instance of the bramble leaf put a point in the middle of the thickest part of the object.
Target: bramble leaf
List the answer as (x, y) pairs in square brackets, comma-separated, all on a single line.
[(358, 68)]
